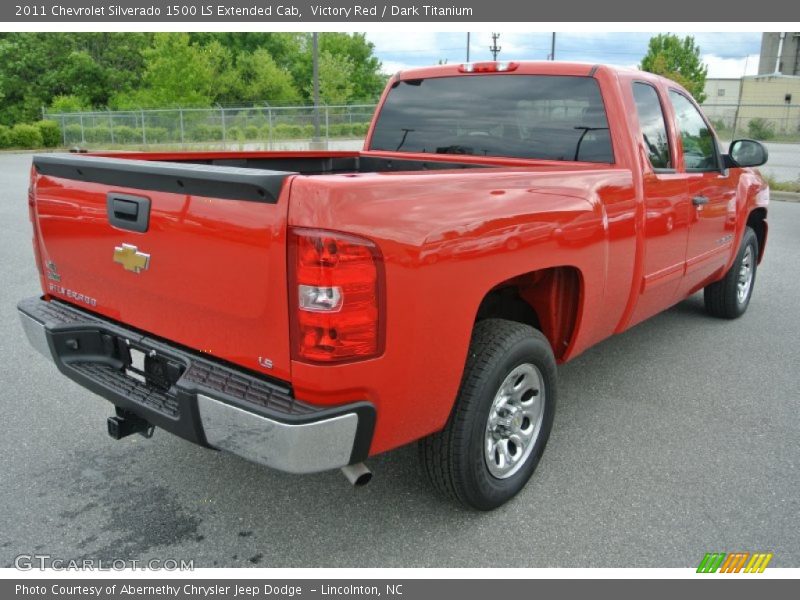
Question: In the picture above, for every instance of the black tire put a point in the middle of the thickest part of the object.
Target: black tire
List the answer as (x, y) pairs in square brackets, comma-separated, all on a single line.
[(722, 298), (453, 459)]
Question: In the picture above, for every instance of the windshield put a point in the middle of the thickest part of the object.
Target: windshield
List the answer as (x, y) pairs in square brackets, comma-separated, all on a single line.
[(521, 116)]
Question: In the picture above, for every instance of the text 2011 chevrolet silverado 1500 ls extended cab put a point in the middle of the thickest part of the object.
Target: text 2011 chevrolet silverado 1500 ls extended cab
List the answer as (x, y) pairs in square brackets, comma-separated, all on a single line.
[(307, 310)]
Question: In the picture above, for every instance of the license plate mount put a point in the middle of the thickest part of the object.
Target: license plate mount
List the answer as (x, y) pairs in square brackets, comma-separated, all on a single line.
[(136, 368)]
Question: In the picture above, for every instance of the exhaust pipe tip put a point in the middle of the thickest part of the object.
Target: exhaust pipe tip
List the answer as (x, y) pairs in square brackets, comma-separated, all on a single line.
[(358, 474)]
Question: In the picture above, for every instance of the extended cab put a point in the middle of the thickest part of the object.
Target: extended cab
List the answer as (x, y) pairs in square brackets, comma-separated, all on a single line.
[(307, 310)]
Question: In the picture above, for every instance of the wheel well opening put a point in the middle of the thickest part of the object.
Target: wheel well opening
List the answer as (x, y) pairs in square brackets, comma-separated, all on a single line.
[(547, 299), (756, 220)]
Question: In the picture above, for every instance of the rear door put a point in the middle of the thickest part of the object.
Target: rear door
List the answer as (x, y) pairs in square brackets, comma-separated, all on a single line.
[(712, 193), (195, 254)]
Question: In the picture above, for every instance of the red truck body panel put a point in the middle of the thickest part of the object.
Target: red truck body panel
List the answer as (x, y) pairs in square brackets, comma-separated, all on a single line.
[(444, 250), (616, 243), (217, 277)]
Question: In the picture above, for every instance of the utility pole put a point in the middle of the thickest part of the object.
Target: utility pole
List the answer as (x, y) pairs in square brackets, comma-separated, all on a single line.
[(553, 47), (315, 75), (739, 100), (467, 53), (494, 48), (780, 51)]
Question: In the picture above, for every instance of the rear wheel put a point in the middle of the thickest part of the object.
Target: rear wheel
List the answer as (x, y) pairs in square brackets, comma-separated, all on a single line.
[(502, 419), (729, 297)]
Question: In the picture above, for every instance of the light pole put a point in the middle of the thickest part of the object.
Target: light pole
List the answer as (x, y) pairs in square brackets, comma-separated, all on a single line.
[(315, 76)]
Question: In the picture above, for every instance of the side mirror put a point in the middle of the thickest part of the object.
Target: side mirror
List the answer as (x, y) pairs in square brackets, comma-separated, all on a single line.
[(746, 153)]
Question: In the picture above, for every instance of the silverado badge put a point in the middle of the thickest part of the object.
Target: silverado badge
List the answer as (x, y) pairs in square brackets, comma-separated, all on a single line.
[(131, 259)]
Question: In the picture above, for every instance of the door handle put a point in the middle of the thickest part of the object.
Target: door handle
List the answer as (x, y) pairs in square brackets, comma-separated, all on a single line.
[(125, 209), (699, 200), (128, 212)]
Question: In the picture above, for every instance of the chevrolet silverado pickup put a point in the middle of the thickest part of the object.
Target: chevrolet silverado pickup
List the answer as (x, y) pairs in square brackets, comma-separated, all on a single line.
[(308, 310)]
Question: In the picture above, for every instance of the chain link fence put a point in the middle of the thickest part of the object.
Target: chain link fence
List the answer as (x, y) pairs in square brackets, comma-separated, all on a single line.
[(263, 126), (257, 126), (778, 122)]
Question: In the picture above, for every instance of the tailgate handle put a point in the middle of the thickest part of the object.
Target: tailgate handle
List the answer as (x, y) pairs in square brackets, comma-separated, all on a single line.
[(128, 212)]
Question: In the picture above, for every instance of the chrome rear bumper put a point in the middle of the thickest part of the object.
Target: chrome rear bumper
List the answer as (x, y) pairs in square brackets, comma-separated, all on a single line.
[(301, 448), (209, 402)]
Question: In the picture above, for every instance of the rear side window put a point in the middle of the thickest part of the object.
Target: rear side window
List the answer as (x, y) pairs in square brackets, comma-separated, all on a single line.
[(520, 116), (652, 125), (699, 145)]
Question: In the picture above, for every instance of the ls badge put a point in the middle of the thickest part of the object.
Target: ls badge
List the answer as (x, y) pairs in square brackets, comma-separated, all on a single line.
[(131, 259)]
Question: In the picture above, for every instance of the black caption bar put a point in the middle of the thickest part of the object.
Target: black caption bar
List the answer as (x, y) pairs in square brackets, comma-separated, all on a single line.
[(408, 589), (293, 11)]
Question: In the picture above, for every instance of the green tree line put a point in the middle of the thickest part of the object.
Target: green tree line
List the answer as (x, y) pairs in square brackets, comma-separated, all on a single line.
[(76, 71)]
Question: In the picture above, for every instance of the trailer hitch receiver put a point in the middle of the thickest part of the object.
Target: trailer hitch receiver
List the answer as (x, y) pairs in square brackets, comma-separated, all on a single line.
[(126, 423)]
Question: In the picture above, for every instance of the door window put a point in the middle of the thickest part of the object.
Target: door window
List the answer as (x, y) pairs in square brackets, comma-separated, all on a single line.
[(699, 145), (652, 125)]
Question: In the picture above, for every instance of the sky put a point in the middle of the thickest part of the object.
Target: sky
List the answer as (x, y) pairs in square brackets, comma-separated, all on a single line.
[(726, 54)]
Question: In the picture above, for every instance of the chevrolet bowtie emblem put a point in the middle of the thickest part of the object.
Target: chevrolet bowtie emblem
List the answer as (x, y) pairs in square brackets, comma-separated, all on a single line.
[(131, 259)]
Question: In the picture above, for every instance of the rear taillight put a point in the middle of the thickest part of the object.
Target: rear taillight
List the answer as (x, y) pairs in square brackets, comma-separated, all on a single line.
[(32, 197), (32, 217), (335, 295)]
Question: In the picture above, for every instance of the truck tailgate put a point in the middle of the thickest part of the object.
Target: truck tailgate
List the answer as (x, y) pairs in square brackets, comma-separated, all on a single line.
[(205, 267)]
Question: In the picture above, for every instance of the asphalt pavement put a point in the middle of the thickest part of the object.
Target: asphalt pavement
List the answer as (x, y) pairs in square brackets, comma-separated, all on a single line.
[(677, 438), (784, 161)]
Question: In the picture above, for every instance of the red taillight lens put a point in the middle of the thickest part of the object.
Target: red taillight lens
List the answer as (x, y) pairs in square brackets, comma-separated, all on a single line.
[(32, 217), (32, 196), (335, 295)]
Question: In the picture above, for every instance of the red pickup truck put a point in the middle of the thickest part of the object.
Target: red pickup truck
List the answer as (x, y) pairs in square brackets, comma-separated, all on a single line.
[(307, 310)]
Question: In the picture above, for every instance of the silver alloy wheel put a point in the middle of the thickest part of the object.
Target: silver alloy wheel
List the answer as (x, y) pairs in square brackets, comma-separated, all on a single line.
[(745, 279), (515, 420)]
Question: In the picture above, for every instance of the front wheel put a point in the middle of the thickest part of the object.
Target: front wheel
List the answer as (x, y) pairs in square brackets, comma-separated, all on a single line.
[(502, 419), (729, 297)]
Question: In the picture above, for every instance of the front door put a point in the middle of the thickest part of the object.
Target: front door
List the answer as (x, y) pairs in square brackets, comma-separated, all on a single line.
[(712, 194)]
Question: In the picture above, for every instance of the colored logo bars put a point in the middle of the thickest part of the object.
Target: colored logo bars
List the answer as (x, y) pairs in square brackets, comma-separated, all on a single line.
[(734, 562)]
